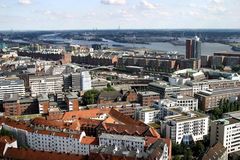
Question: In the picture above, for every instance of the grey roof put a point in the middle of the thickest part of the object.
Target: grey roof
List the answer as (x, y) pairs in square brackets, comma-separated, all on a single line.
[(121, 137), (149, 93)]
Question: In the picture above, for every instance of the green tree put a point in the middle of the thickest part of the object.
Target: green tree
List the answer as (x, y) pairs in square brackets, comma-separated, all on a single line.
[(199, 148), (109, 88), (90, 97), (177, 157), (188, 155)]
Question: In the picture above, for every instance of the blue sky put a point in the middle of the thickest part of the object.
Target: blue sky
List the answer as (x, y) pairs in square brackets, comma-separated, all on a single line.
[(110, 14)]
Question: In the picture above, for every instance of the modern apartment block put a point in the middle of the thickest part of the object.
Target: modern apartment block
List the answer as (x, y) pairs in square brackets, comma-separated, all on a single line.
[(148, 115), (81, 81), (227, 131), (198, 86), (178, 101), (11, 87), (86, 83), (210, 99), (185, 127), (46, 85)]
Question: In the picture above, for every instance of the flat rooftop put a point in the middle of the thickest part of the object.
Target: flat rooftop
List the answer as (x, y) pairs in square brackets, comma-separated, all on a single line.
[(149, 93), (186, 116), (219, 92), (121, 137)]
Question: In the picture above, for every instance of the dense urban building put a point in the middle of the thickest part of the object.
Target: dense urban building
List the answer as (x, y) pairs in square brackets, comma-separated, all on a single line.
[(210, 99), (185, 127), (11, 87), (46, 85), (147, 98)]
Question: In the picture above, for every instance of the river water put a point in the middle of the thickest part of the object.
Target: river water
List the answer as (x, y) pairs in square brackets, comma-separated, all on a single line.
[(207, 48)]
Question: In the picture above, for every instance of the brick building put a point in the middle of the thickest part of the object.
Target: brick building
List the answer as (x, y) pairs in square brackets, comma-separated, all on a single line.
[(147, 98)]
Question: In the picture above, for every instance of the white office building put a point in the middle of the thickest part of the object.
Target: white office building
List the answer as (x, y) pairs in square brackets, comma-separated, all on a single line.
[(227, 131), (11, 87), (179, 101), (148, 115), (86, 83), (81, 81), (198, 86), (185, 127), (46, 85)]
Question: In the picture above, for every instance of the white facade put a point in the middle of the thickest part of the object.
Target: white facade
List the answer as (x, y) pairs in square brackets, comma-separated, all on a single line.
[(55, 143), (186, 127), (11, 87), (131, 142), (226, 131), (184, 102), (148, 115), (45, 85), (86, 83), (198, 86)]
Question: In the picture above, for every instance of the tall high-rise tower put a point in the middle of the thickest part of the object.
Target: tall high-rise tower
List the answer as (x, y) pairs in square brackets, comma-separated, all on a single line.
[(193, 48)]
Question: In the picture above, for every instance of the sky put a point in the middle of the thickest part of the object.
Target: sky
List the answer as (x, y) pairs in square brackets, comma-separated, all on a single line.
[(115, 14)]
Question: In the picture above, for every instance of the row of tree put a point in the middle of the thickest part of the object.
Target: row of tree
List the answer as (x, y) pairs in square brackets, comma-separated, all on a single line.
[(225, 106)]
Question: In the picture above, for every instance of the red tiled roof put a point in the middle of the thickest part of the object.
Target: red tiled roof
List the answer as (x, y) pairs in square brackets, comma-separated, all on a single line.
[(150, 140), (154, 132), (28, 154), (96, 112), (125, 129), (2, 146), (91, 113), (89, 140), (7, 139)]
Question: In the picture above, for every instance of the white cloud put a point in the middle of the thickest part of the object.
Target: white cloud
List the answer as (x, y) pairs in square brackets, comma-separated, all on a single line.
[(25, 2), (114, 2), (148, 5), (3, 6)]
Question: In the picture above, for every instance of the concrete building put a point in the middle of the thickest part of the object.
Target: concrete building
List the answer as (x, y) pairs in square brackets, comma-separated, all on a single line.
[(165, 90), (81, 81), (148, 115), (46, 85), (147, 98), (226, 131), (178, 101), (11, 87), (85, 83), (76, 82), (198, 86), (185, 127)]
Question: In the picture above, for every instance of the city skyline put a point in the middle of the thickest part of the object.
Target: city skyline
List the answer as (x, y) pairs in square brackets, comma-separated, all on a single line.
[(115, 14)]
